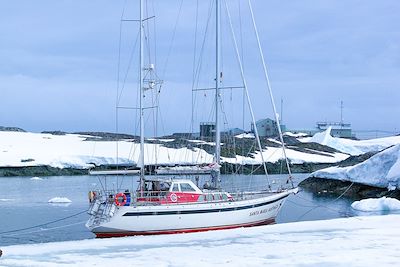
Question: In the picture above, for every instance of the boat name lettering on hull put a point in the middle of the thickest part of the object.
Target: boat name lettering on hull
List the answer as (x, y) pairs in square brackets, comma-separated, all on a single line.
[(258, 212)]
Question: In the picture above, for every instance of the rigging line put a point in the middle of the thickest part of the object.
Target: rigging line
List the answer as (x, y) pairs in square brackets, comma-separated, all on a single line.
[(147, 32), (241, 50), (155, 32), (118, 78), (43, 224), (270, 91), (172, 39), (247, 92), (200, 63), (194, 67), (128, 69)]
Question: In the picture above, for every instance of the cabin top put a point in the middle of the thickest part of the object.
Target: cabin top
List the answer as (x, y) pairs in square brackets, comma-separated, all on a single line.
[(171, 185)]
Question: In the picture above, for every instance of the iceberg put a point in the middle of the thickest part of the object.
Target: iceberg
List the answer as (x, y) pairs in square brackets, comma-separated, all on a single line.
[(381, 170)]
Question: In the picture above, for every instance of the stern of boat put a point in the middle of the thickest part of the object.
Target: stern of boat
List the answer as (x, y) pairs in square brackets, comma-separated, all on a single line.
[(102, 208)]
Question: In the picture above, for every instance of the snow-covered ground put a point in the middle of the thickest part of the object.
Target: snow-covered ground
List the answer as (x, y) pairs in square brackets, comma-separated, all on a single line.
[(352, 147), (381, 170), (273, 154), (33, 149), (63, 151), (357, 241)]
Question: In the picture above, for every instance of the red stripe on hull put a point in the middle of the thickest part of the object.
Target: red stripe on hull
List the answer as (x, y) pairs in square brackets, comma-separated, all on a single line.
[(180, 231)]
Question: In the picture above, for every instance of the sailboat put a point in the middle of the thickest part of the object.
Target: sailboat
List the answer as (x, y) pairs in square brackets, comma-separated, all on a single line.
[(173, 205)]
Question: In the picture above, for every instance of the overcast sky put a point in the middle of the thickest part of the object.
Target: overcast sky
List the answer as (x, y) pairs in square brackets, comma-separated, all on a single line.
[(59, 61)]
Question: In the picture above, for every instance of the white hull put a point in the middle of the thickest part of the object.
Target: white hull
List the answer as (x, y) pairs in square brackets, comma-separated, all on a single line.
[(193, 217)]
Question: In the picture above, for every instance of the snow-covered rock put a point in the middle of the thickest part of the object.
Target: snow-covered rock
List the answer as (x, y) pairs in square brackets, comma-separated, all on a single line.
[(295, 134), (376, 204), (245, 135), (381, 170)]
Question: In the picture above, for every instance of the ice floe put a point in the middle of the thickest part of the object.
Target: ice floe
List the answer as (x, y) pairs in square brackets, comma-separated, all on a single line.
[(59, 200), (377, 204)]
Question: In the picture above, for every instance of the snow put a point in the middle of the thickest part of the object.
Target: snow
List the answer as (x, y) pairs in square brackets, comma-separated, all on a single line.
[(377, 204), (245, 135), (295, 134), (274, 154), (381, 170), (59, 200), (358, 241), (20, 149), (352, 147)]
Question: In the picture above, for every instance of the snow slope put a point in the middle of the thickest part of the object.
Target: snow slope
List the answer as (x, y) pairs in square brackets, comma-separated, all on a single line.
[(273, 154), (352, 147), (356, 241), (63, 151), (381, 170)]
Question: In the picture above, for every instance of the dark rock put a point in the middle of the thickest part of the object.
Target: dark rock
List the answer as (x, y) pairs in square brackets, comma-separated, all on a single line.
[(11, 129), (27, 160), (356, 191), (40, 171), (54, 132), (353, 160), (107, 136)]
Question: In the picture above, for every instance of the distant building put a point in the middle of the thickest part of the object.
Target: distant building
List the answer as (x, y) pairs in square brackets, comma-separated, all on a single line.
[(233, 132), (207, 129), (339, 129), (267, 128)]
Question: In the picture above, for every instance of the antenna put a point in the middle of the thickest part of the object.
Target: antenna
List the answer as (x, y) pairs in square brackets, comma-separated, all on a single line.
[(281, 115), (341, 113)]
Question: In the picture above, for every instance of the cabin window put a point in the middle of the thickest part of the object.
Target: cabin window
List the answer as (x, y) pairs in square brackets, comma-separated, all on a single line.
[(175, 188), (201, 198), (187, 188)]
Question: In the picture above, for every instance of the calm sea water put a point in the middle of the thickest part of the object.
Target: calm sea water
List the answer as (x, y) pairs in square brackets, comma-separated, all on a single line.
[(24, 204)]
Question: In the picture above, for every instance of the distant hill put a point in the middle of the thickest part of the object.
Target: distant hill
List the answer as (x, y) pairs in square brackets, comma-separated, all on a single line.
[(11, 129)]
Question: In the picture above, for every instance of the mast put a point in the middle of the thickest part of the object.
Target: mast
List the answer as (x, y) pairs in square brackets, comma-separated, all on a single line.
[(270, 92), (217, 93), (141, 160)]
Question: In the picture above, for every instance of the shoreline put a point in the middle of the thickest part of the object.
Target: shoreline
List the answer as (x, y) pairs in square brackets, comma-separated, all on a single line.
[(226, 168)]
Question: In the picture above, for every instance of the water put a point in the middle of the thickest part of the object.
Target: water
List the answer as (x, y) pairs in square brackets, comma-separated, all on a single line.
[(24, 203)]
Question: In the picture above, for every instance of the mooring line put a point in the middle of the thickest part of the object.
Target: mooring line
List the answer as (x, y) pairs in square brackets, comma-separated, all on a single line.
[(43, 224)]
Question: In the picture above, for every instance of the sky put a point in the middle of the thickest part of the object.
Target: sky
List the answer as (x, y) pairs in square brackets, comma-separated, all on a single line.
[(60, 63)]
